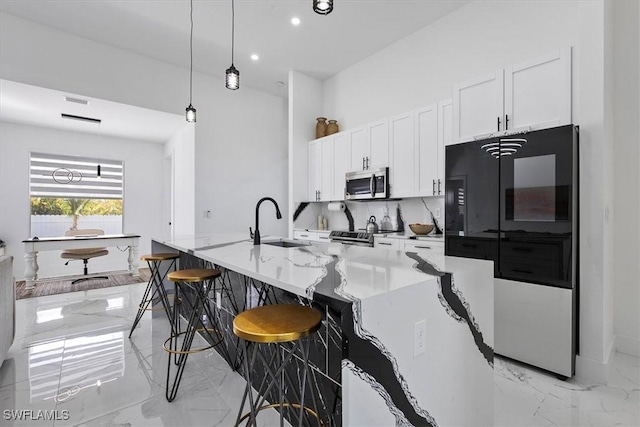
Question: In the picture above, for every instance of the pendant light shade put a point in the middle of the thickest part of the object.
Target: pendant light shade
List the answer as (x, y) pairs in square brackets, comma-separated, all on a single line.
[(191, 114), (232, 80), (232, 77), (190, 111), (322, 7)]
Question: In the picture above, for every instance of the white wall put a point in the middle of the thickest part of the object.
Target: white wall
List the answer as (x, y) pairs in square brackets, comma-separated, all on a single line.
[(181, 147), (305, 104), (240, 136), (626, 49), (485, 36), (142, 195)]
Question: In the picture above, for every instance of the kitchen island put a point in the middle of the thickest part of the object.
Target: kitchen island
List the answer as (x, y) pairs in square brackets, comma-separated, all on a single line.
[(405, 340)]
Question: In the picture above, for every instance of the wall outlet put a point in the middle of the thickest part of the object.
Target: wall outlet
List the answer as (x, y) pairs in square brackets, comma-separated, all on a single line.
[(419, 338), (218, 300), (437, 213)]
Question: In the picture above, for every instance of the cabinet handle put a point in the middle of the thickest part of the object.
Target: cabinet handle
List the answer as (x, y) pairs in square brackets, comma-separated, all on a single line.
[(498, 123), (304, 235), (324, 238), (434, 187), (439, 187), (506, 122), (383, 243), (422, 247), (367, 162), (363, 168)]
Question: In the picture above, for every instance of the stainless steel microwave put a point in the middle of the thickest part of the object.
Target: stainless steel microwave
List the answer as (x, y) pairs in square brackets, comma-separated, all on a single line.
[(367, 184)]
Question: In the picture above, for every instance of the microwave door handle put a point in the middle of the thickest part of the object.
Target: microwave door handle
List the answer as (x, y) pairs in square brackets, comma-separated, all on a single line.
[(372, 185)]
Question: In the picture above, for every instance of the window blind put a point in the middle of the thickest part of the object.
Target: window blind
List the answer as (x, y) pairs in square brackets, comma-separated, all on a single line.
[(55, 175)]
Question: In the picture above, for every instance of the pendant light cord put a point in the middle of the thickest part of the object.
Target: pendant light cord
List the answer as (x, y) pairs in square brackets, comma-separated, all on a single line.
[(233, 28), (191, 57)]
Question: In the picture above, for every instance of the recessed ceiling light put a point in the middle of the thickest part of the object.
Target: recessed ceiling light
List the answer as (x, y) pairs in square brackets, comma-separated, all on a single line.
[(254, 56), (295, 21)]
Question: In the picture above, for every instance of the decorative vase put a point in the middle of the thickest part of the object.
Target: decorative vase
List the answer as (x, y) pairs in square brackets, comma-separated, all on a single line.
[(332, 127), (321, 127)]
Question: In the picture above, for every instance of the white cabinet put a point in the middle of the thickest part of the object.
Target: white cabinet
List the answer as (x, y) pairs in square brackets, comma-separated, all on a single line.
[(370, 146), (387, 243), (424, 248), (426, 132), (378, 133), (313, 236), (433, 130), (535, 94), (478, 106), (321, 169), (305, 235), (315, 169), (341, 145), (323, 236), (402, 148), (538, 92)]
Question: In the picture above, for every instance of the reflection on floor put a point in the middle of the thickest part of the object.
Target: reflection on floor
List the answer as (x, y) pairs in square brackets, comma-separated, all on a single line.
[(71, 353)]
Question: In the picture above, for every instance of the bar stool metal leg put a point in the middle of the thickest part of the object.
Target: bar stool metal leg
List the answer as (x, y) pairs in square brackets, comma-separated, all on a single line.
[(155, 287), (193, 286)]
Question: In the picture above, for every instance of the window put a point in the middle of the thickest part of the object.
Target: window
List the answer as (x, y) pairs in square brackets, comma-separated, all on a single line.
[(69, 192)]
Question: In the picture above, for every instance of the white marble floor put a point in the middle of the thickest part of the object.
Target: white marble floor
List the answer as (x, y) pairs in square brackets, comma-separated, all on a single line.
[(72, 357)]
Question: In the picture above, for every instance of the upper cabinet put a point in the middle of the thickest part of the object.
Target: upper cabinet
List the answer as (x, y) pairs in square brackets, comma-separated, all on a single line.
[(478, 106), (341, 143), (535, 94), (402, 148), (370, 146), (416, 146), (321, 169)]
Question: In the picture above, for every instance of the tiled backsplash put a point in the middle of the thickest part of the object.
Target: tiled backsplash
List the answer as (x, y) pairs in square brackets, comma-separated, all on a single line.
[(413, 210)]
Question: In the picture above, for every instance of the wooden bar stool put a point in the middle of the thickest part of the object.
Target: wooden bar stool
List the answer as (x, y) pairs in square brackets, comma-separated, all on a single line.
[(194, 286), (288, 327), (155, 287)]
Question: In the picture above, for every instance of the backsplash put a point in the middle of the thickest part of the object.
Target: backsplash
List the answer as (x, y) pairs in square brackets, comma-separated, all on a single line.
[(412, 210)]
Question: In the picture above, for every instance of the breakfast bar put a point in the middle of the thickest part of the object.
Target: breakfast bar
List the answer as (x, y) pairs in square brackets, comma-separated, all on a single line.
[(405, 340)]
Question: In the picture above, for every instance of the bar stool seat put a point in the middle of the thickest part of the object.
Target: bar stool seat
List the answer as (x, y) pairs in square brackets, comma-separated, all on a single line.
[(276, 324), (155, 287), (193, 286)]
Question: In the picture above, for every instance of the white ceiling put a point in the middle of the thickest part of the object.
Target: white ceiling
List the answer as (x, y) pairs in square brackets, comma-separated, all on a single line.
[(21, 103), (320, 46)]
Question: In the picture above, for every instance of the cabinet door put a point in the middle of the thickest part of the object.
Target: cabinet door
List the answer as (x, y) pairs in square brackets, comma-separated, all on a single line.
[(315, 169), (326, 167), (445, 137), (359, 148), (340, 164), (378, 133), (478, 107), (538, 92), (427, 149), (402, 155)]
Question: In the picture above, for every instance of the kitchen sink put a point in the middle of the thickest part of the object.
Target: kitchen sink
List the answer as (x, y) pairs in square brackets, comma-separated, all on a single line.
[(285, 244)]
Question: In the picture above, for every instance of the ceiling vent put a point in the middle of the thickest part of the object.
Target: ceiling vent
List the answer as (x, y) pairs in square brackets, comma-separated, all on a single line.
[(80, 118), (76, 100)]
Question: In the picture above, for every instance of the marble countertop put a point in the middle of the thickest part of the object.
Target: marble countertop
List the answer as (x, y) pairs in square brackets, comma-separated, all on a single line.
[(331, 269)]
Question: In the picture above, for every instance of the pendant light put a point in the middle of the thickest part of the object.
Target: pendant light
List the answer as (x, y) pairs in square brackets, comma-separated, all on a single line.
[(190, 111), (322, 7), (232, 79)]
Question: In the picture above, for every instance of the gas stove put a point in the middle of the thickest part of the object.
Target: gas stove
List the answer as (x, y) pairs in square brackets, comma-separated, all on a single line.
[(356, 238)]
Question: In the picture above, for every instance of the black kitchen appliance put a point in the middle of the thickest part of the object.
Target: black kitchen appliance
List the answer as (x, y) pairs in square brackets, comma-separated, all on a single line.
[(513, 200)]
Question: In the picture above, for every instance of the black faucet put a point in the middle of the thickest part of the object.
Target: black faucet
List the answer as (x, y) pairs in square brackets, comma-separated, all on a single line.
[(256, 235)]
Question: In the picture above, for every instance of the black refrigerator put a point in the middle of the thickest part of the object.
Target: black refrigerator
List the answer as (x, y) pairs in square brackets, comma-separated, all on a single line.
[(513, 200)]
